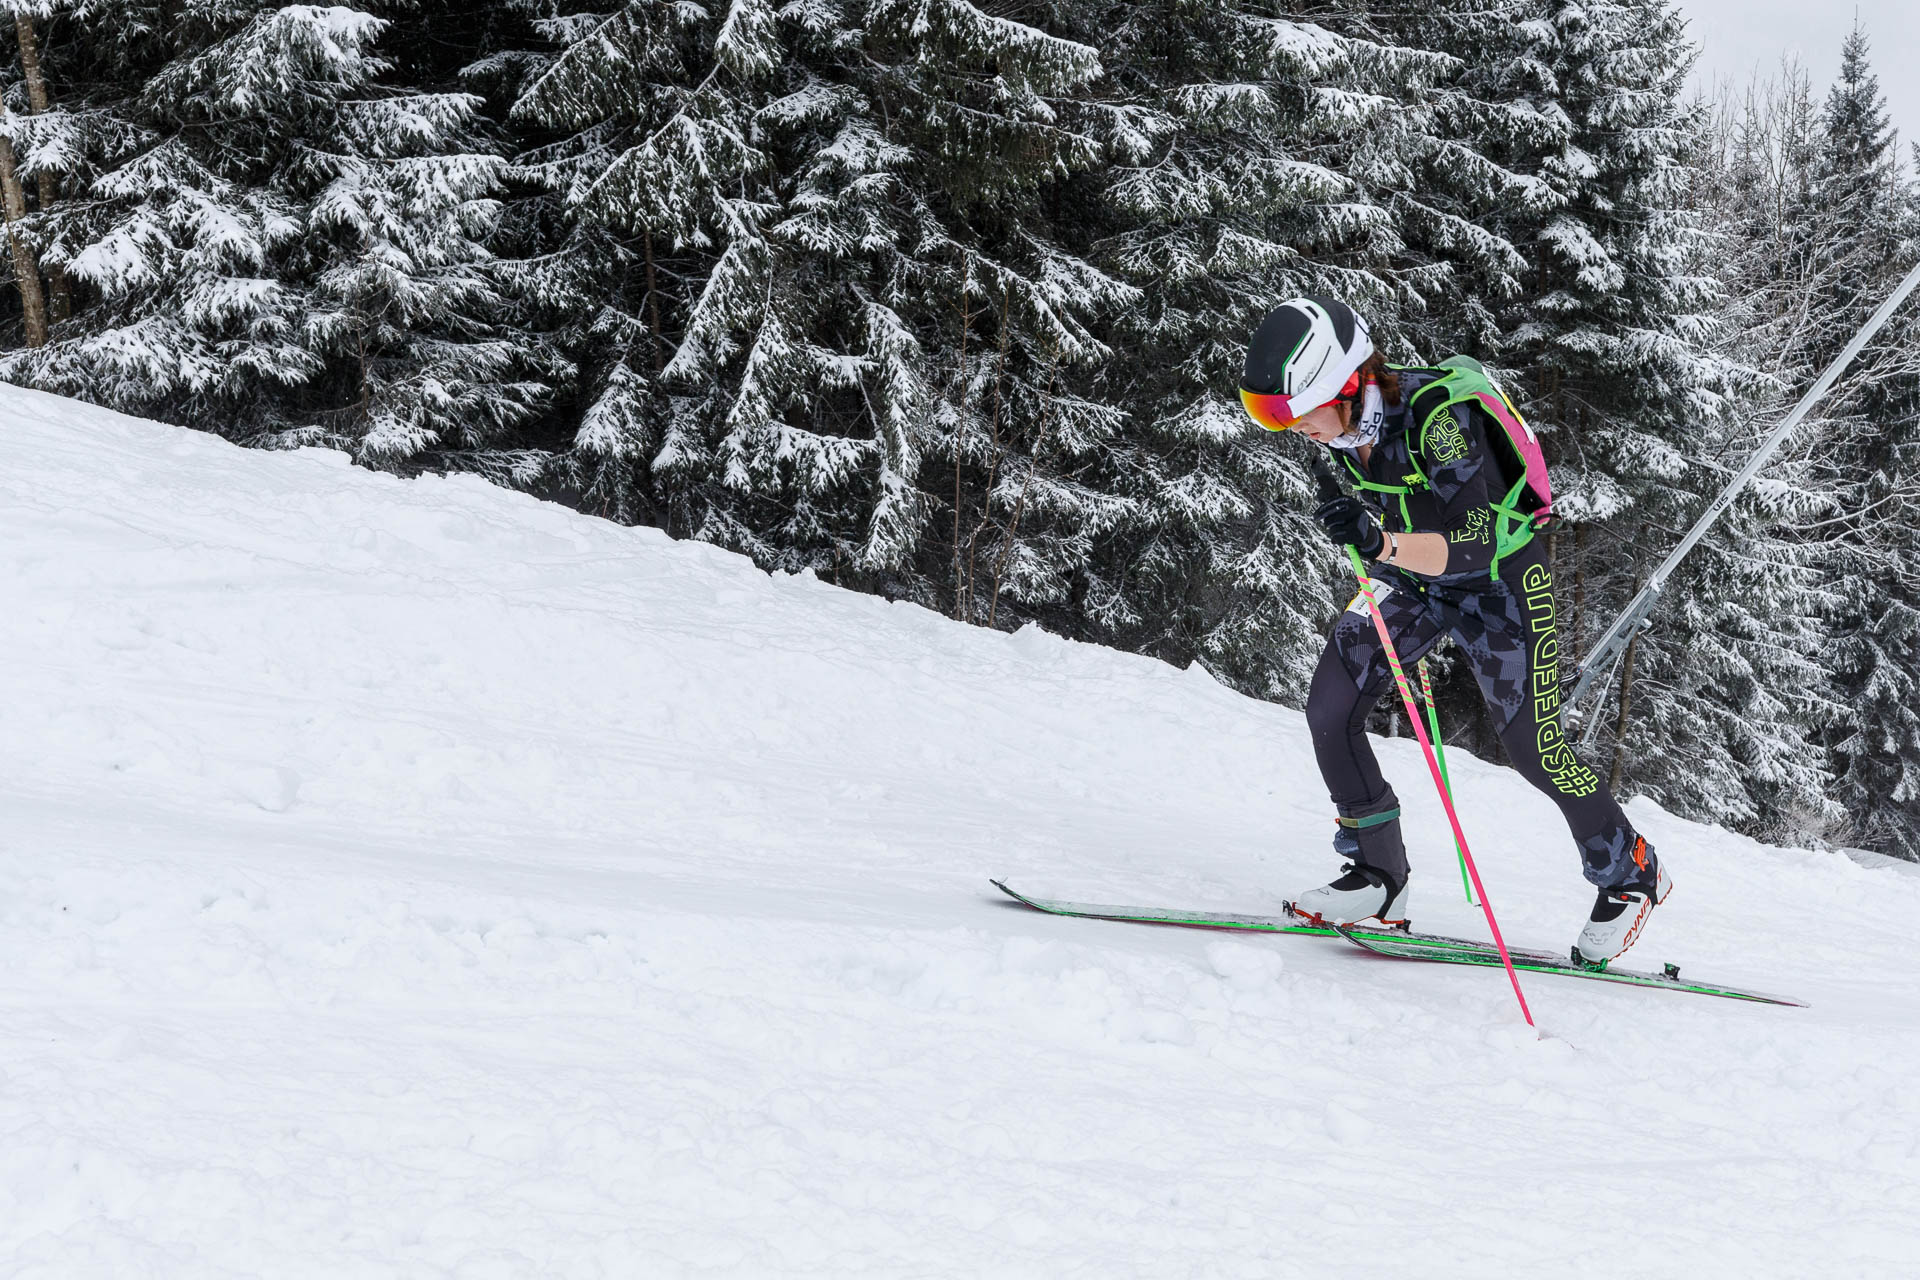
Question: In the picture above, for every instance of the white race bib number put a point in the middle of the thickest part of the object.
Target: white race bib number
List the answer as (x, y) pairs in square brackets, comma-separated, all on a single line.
[(1359, 602)]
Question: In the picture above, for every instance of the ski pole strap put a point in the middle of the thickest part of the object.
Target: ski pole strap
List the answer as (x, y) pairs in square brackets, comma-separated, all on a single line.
[(1371, 820)]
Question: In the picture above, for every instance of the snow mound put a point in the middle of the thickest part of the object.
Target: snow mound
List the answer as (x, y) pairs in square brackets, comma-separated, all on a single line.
[(413, 878)]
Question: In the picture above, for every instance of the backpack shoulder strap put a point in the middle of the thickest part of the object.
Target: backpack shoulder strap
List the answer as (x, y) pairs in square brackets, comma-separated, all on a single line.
[(1464, 380)]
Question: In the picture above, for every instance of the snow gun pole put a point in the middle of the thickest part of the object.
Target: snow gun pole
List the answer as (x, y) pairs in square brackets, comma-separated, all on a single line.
[(1601, 658), (1330, 489), (1440, 754)]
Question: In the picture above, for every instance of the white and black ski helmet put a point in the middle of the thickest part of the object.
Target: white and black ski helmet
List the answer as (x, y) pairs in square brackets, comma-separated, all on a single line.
[(1302, 356)]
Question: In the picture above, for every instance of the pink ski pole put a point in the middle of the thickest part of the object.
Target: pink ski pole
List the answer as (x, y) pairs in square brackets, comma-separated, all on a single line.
[(1330, 489)]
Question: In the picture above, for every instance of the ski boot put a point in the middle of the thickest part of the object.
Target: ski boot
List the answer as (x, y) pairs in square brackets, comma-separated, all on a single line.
[(1620, 913), (1373, 881), (1361, 893)]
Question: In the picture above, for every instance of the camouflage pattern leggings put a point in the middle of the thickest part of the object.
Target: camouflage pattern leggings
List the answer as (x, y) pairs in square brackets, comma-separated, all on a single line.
[(1506, 630)]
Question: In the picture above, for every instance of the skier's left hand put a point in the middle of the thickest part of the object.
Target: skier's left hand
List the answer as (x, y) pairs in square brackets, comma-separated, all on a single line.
[(1349, 523)]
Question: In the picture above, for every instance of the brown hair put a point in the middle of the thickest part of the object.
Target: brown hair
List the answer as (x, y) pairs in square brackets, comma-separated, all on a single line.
[(1375, 370)]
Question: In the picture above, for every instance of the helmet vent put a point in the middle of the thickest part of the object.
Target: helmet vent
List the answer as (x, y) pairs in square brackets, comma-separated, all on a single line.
[(1340, 314)]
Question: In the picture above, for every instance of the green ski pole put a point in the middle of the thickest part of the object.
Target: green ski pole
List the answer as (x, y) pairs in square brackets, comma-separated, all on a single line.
[(1446, 783)]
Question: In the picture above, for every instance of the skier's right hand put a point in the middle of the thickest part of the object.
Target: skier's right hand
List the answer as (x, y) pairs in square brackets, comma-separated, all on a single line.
[(1349, 523)]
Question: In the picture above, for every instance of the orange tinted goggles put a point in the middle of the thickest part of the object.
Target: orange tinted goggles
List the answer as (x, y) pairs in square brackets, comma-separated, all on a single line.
[(1271, 412), (1277, 413)]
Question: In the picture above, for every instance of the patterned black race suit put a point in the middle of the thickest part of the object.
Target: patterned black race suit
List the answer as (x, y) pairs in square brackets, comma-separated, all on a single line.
[(1504, 624)]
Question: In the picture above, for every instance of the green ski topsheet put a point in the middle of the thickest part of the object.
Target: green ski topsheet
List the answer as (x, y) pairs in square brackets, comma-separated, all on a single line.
[(1195, 919), (1399, 944)]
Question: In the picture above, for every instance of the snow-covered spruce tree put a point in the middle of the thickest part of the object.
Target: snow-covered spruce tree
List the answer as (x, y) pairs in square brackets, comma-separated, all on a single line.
[(39, 141), (148, 225), (1234, 128), (834, 209), (936, 191), (1330, 150), (1458, 161), (1611, 348), (69, 78), (1755, 187), (1866, 205), (284, 248), (1820, 227), (644, 179), (403, 302)]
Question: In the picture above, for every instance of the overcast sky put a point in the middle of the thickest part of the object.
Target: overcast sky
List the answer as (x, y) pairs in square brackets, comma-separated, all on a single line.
[(1738, 36)]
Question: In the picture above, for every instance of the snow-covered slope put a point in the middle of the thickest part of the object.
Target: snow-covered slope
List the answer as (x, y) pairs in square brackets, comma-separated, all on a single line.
[(416, 879)]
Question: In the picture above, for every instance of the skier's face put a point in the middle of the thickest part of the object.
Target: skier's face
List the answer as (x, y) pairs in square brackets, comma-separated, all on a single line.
[(1325, 424)]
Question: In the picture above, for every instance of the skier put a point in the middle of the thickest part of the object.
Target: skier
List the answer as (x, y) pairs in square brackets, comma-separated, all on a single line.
[(1450, 534)]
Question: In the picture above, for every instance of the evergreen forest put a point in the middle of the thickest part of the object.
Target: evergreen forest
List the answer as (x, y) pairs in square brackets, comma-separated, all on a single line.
[(947, 302)]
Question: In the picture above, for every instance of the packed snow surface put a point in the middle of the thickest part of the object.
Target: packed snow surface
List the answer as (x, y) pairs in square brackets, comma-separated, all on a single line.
[(412, 878)]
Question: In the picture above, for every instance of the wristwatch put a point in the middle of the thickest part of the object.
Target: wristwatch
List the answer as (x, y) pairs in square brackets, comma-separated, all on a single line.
[(1393, 547)]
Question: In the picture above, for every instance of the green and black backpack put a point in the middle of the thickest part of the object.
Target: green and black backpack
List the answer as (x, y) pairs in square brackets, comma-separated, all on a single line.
[(1523, 496)]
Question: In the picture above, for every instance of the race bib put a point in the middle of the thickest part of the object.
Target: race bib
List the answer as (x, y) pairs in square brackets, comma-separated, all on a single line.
[(1359, 602)]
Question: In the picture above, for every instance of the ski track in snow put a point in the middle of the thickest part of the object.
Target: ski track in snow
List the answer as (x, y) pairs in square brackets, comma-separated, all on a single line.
[(412, 878)]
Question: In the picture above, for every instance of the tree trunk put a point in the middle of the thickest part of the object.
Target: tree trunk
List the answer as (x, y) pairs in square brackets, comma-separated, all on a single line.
[(993, 462), (1579, 590), (60, 304), (653, 305), (959, 448), (26, 269), (1020, 503), (1618, 766), (30, 62)]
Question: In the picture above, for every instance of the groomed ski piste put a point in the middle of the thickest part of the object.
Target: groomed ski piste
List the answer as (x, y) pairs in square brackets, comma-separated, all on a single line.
[(412, 878)]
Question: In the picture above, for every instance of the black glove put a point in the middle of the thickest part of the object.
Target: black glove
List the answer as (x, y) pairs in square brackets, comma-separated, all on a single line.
[(1349, 523)]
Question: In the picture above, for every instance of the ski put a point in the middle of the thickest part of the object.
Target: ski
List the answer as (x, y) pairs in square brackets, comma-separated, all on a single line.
[(1397, 943), (1197, 919), (1526, 961)]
